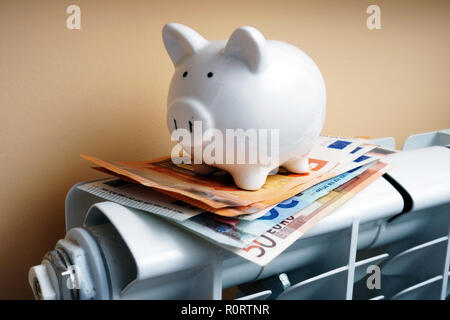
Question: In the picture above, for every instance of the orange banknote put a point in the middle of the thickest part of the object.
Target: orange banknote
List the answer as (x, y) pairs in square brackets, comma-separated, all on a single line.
[(218, 193)]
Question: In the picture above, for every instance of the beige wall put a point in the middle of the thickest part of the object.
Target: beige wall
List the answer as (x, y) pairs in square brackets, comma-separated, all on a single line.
[(101, 90)]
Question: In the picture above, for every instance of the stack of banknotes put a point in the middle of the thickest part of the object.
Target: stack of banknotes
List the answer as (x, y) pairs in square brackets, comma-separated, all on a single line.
[(256, 225)]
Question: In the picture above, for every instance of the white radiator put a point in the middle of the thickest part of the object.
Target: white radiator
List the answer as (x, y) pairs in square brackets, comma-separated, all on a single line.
[(391, 241)]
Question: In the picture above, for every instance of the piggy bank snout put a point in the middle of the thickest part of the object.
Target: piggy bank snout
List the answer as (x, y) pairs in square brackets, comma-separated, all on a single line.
[(190, 115)]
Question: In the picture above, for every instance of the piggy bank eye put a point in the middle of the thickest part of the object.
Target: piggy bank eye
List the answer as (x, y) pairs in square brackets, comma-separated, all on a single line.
[(210, 74), (185, 74)]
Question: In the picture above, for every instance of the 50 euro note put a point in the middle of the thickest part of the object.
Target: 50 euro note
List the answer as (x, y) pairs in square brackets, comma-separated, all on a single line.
[(239, 233), (292, 205), (277, 239), (250, 213), (218, 193), (217, 229)]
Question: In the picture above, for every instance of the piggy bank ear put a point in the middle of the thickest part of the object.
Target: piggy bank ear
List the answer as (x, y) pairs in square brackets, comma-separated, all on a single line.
[(248, 45), (181, 41)]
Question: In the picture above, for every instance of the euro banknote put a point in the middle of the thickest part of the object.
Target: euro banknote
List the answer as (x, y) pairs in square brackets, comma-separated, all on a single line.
[(255, 210), (221, 230), (219, 194), (292, 205), (371, 157), (237, 233), (277, 239)]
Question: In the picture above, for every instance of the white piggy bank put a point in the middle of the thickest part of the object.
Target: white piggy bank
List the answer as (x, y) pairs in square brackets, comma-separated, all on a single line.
[(245, 82)]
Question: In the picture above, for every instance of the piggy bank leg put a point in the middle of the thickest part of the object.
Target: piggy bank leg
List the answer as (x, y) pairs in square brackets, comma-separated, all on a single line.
[(250, 178), (204, 169), (298, 165)]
